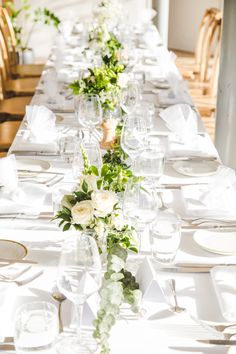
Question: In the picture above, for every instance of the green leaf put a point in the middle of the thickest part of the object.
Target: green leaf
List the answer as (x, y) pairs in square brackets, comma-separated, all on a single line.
[(84, 186), (66, 227)]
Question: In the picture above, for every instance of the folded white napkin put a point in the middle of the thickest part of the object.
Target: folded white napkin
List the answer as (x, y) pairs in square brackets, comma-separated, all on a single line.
[(41, 123), (8, 173), (182, 120), (217, 199), (28, 199), (151, 38), (224, 283), (7, 299), (200, 146)]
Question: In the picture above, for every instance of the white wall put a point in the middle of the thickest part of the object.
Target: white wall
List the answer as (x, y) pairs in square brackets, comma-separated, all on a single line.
[(184, 20), (43, 36)]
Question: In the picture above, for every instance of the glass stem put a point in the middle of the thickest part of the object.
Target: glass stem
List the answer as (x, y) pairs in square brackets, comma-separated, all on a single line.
[(78, 319)]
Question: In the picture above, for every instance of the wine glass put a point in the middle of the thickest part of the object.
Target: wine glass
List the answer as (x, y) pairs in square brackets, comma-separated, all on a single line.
[(79, 277), (131, 96), (50, 86), (93, 152), (89, 112), (133, 135), (139, 205)]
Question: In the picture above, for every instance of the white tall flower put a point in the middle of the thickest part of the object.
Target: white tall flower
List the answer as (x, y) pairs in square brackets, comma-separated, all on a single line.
[(118, 220), (82, 212), (103, 202)]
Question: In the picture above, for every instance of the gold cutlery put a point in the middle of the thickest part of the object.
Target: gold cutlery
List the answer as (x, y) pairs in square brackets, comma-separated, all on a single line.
[(7, 347), (184, 269), (217, 341), (26, 172), (23, 281), (202, 265), (12, 260), (15, 275)]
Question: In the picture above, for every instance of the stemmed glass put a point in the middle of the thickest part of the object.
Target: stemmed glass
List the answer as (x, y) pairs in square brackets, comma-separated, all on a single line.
[(79, 277), (139, 205), (93, 152), (89, 112), (133, 135), (131, 96)]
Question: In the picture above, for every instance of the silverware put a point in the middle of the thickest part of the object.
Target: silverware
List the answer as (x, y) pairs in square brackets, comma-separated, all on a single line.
[(217, 341), (13, 260), (203, 265), (209, 227), (192, 158), (27, 216), (176, 308), (184, 269), (34, 153), (39, 172), (15, 275), (24, 281)]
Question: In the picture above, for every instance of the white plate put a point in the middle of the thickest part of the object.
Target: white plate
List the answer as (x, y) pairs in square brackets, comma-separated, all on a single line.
[(224, 282), (196, 168), (216, 242), (32, 164), (12, 249)]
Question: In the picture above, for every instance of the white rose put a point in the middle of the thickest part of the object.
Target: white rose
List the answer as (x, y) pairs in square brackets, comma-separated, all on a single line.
[(82, 212), (123, 79), (91, 181), (103, 202)]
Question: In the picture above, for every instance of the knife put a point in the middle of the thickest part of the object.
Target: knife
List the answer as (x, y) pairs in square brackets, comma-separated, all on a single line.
[(7, 347), (26, 172), (209, 227), (34, 153), (12, 260), (203, 265), (217, 341), (184, 269)]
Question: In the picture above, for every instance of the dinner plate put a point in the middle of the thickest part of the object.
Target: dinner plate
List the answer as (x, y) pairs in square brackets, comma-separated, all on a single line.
[(196, 168), (223, 243), (32, 164), (12, 249)]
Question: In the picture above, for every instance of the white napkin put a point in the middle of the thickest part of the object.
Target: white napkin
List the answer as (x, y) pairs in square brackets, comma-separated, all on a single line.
[(8, 173), (151, 38), (224, 283), (7, 298), (29, 200), (41, 123), (182, 120), (217, 199)]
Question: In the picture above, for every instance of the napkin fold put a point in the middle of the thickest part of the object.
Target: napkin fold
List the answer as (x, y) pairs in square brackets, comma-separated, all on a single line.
[(217, 199), (182, 120), (41, 123), (28, 199), (7, 299), (8, 173)]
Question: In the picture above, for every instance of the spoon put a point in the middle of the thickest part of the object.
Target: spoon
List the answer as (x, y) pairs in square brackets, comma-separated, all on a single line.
[(58, 296), (176, 308)]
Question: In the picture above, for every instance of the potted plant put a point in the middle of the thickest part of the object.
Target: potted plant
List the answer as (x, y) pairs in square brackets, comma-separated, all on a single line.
[(44, 15)]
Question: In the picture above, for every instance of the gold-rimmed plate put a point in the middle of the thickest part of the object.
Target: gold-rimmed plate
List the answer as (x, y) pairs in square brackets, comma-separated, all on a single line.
[(10, 249)]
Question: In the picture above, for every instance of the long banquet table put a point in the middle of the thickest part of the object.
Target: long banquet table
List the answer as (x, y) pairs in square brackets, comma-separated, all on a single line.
[(158, 330)]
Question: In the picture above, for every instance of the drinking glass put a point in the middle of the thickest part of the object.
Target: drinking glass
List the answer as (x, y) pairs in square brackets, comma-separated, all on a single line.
[(93, 152), (147, 110), (66, 144), (79, 276), (139, 205), (89, 112), (50, 86), (133, 135), (131, 96), (165, 237), (36, 327), (151, 161)]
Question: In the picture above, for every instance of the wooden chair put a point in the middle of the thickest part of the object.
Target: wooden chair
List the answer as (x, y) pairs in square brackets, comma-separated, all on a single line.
[(13, 108), (193, 65), (27, 70), (8, 132), (10, 87)]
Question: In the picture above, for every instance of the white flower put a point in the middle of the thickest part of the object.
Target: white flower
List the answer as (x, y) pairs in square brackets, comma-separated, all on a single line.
[(123, 79), (91, 181), (82, 212), (118, 220), (103, 202)]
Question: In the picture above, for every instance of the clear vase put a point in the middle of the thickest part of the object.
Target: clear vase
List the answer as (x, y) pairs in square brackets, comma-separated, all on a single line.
[(100, 235)]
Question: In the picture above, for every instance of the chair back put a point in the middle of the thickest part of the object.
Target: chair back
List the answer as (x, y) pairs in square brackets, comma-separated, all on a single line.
[(7, 29)]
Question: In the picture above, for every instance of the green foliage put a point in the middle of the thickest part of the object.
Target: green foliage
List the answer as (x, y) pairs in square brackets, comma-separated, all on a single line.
[(39, 15)]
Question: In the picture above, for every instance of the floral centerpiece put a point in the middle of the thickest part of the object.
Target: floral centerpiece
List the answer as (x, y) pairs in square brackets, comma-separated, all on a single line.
[(94, 205)]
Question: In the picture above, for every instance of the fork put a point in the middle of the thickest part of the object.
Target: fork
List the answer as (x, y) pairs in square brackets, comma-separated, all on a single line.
[(23, 281)]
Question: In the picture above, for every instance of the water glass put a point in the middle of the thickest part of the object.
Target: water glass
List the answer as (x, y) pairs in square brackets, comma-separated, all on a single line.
[(93, 152), (131, 96), (165, 237), (50, 86), (36, 327), (66, 144)]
